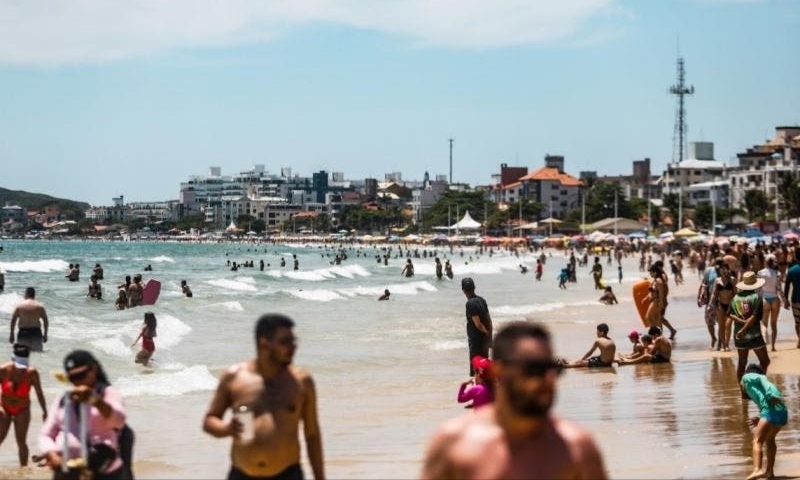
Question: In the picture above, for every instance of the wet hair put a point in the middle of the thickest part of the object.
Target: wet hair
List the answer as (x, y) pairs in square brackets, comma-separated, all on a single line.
[(151, 322), (30, 292), (603, 328), (269, 323), (654, 331), (754, 368), (506, 340), (646, 339)]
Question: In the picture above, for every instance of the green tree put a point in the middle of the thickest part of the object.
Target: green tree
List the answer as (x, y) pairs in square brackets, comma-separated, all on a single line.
[(672, 203), (756, 204), (703, 215), (789, 191)]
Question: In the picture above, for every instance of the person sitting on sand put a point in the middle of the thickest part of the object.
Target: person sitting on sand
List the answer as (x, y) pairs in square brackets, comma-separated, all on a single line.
[(660, 351), (608, 297), (480, 388), (607, 351), (638, 346), (385, 295)]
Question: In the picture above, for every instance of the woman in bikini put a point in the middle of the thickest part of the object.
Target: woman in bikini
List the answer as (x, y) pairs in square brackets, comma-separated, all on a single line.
[(16, 380), (147, 333), (722, 296), (653, 314), (773, 296)]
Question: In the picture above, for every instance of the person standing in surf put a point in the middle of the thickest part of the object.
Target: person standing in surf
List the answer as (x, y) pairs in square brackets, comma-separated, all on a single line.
[(30, 313), (135, 290), (479, 323), (147, 333)]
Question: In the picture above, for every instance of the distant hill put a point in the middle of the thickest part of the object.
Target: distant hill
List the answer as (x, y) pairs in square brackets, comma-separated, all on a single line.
[(36, 201)]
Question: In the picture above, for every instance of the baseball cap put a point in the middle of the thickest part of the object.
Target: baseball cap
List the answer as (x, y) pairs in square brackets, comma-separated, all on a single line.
[(467, 284), (480, 363), (78, 358)]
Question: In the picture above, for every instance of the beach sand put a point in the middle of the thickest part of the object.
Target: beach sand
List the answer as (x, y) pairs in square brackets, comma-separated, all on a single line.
[(384, 387)]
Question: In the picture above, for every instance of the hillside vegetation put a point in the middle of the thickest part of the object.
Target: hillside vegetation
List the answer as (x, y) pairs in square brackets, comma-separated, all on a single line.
[(71, 209)]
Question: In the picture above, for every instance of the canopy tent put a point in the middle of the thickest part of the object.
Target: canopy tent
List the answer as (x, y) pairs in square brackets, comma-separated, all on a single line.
[(685, 232), (466, 223), (232, 228), (550, 220)]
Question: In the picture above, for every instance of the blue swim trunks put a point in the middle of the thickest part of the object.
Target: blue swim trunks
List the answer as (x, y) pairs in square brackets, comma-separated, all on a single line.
[(776, 417)]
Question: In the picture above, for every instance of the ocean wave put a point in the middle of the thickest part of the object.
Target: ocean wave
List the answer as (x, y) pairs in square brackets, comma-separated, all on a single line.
[(162, 259), (248, 280), (167, 383), (232, 285), (321, 274), (38, 266), (230, 306), (538, 308), (9, 301), (319, 295)]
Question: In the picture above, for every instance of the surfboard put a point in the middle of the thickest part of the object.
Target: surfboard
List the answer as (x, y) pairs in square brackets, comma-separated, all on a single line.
[(150, 292), (641, 298)]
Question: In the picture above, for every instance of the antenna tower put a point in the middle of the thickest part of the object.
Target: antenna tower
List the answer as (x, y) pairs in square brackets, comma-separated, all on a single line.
[(679, 136)]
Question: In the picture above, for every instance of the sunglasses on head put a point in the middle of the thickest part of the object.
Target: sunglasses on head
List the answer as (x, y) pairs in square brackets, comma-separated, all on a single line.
[(536, 368)]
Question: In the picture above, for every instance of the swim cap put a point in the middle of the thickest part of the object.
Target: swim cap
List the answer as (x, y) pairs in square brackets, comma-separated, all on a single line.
[(633, 335)]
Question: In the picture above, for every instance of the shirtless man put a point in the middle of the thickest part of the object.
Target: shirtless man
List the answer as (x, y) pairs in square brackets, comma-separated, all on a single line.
[(29, 312), (516, 436), (607, 351), (279, 396), (135, 292)]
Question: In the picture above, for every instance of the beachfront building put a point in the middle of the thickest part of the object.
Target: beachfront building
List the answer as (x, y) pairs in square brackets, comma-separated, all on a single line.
[(641, 184), (698, 168), (150, 212), (717, 192), (13, 217), (107, 215), (764, 166), (424, 197), (503, 182), (556, 190)]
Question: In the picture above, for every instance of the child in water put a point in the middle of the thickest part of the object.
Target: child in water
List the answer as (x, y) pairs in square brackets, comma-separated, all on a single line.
[(147, 333)]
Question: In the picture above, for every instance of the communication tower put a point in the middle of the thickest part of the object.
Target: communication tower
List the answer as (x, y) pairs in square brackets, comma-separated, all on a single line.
[(681, 90)]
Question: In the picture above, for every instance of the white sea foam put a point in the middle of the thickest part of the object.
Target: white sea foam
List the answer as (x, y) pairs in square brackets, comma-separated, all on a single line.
[(233, 285), (320, 274), (230, 306), (167, 383), (538, 308), (38, 266), (9, 301), (320, 295), (248, 280), (162, 259)]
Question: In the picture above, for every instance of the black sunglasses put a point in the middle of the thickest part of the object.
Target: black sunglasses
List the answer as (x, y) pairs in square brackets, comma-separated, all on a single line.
[(536, 368), (78, 376)]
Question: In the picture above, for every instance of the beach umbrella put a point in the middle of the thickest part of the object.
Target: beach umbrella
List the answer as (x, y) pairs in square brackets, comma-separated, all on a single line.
[(685, 232), (637, 235), (666, 236), (791, 236)]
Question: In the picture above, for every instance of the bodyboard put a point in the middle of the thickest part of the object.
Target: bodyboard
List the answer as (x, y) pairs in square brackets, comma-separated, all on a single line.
[(150, 292), (641, 298)]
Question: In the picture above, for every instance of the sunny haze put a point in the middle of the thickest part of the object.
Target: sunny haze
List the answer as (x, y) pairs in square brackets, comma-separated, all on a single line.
[(109, 97)]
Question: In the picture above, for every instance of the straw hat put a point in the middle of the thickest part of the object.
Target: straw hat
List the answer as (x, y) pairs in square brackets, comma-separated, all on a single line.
[(750, 282)]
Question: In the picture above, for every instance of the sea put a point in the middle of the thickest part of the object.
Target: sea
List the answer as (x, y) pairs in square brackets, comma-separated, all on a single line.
[(387, 372)]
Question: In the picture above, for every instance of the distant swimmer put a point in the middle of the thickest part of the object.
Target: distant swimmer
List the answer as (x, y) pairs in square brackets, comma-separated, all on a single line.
[(448, 269), (95, 290), (2, 280), (608, 296), (33, 323), (604, 345), (296, 262), (98, 271), (523, 269), (147, 333), (148, 268), (438, 268), (283, 262), (539, 269), (73, 275), (408, 269), (135, 290), (385, 295), (121, 302), (186, 290)]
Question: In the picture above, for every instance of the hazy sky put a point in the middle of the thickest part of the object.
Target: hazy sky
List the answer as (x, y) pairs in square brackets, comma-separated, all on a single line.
[(106, 97)]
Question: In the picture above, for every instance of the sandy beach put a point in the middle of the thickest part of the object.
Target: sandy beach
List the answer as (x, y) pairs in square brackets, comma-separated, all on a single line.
[(387, 372)]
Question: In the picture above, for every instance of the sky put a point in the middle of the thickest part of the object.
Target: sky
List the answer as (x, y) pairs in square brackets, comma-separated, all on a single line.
[(100, 98)]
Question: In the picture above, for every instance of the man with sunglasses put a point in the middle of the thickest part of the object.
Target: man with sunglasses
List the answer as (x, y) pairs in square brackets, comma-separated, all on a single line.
[(516, 436), (277, 396)]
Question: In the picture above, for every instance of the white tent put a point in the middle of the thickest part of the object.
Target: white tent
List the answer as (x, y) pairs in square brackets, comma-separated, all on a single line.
[(466, 223)]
